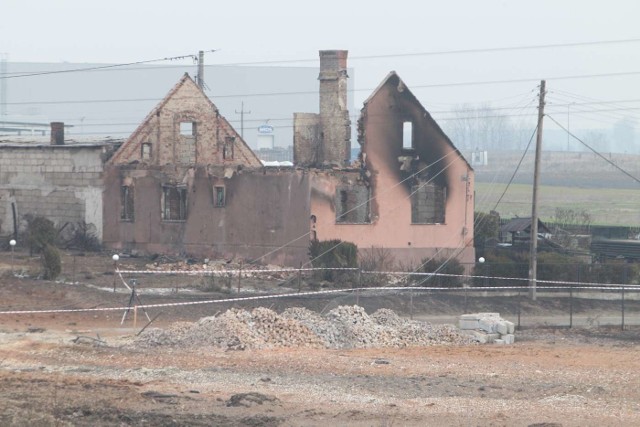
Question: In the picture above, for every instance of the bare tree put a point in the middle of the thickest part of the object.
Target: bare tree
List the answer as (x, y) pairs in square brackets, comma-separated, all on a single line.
[(480, 128)]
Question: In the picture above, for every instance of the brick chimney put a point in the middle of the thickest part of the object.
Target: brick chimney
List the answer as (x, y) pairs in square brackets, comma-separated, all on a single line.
[(334, 115), (57, 133)]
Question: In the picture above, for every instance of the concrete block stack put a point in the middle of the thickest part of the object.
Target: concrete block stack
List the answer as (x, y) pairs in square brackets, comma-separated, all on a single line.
[(488, 328)]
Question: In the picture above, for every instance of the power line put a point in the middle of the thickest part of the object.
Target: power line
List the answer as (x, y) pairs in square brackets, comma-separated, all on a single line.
[(95, 68), (362, 57), (580, 103), (596, 152), (314, 92), (517, 168)]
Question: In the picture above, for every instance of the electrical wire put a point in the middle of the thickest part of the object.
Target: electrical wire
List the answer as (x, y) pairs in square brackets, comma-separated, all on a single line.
[(297, 93), (517, 168), (365, 57), (4, 76), (594, 151)]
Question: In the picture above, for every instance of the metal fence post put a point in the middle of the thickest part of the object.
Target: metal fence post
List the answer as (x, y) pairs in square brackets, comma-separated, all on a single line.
[(411, 305), (519, 297), (570, 306), (300, 278), (359, 286), (465, 298), (622, 324)]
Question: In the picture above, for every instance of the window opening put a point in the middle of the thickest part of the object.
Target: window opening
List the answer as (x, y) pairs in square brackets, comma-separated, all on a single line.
[(227, 149), (428, 202), (188, 128), (145, 153), (407, 135), (174, 203), (126, 203), (344, 197), (352, 205), (219, 197)]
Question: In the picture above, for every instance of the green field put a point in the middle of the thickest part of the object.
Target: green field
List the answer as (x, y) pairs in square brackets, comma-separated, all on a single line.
[(606, 206)]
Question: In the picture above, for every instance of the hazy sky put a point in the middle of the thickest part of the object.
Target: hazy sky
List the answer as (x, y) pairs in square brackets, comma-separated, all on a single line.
[(119, 31)]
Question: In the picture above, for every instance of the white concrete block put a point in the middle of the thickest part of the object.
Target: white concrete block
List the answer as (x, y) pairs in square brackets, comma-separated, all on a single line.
[(511, 328), (509, 338), (493, 337), (502, 328), (470, 316), (481, 337), (487, 324), (493, 315), (499, 342), (468, 324)]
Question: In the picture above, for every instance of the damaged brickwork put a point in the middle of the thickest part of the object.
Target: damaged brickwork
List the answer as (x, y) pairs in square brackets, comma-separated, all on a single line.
[(324, 139), (185, 182)]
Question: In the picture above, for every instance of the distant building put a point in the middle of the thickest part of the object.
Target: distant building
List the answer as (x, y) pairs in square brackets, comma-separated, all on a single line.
[(58, 178), (265, 137)]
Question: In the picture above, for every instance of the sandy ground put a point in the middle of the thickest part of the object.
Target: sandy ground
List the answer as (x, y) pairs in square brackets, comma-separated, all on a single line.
[(79, 369)]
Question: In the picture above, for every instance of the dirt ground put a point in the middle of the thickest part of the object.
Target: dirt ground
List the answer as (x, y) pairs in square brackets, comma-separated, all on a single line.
[(78, 369)]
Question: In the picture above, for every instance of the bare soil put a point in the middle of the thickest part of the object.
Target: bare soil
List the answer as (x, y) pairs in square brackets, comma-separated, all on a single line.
[(79, 369)]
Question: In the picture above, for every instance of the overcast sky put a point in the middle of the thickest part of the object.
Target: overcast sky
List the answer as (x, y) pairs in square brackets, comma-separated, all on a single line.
[(119, 31)]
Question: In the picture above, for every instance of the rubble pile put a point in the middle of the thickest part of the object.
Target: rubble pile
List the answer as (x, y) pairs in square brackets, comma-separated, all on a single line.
[(342, 327), (217, 268)]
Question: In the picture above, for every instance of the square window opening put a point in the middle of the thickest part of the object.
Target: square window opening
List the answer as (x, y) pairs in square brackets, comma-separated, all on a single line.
[(188, 129)]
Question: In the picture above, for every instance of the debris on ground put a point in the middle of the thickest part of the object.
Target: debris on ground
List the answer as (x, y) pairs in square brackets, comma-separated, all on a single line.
[(488, 328), (341, 328)]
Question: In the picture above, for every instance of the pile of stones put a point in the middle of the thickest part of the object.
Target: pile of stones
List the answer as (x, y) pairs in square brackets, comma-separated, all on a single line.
[(488, 328), (340, 328)]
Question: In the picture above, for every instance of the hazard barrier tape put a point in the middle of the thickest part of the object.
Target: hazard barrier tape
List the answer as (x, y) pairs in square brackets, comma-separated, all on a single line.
[(365, 272), (235, 271), (310, 293)]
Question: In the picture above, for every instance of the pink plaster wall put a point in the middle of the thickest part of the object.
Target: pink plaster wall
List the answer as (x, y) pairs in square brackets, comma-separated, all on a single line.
[(391, 226)]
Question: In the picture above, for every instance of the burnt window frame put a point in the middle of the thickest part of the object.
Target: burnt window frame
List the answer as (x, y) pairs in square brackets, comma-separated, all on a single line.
[(416, 193), (127, 203), (411, 140), (347, 215), (181, 196), (216, 191)]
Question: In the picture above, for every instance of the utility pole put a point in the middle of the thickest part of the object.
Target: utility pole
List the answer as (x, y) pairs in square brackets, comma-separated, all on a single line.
[(3, 84), (200, 79), (242, 112), (533, 256)]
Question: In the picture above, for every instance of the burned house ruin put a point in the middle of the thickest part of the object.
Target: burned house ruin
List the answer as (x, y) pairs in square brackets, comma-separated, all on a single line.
[(186, 182)]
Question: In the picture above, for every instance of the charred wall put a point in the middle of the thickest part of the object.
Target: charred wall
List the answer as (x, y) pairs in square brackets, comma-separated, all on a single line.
[(421, 188), (262, 211), (307, 146)]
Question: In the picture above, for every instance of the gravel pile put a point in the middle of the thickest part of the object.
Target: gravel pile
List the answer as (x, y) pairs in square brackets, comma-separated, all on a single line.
[(342, 327)]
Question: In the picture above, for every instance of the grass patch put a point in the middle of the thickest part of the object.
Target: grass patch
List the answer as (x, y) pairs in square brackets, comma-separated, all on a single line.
[(607, 206)]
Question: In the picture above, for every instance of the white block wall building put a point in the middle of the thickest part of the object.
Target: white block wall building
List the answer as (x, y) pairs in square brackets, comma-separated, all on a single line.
[(63, 183)]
